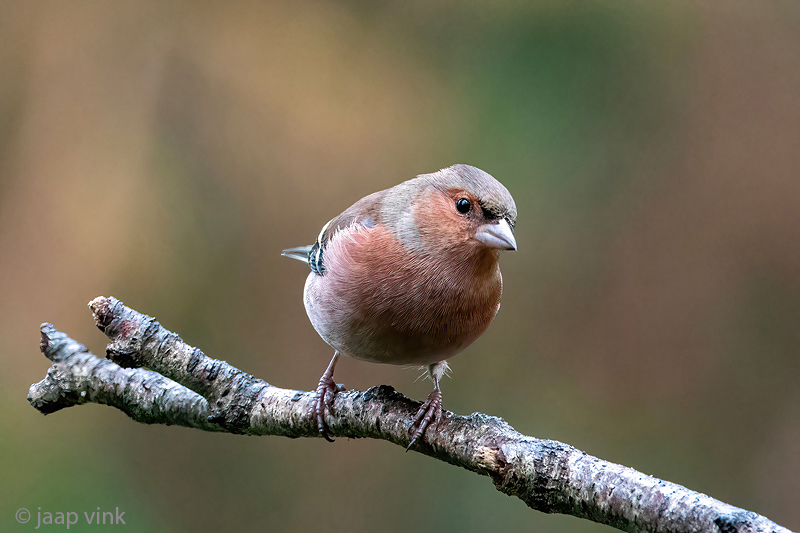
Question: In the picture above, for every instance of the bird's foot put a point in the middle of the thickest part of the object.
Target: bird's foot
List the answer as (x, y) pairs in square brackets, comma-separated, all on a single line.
[(431, 411), (323, 401)]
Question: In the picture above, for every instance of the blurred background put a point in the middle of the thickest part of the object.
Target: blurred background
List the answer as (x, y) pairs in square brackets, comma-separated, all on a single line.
[(165, 153)]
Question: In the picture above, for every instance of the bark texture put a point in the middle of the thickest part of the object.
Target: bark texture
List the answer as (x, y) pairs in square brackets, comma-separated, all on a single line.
[(156, 378)]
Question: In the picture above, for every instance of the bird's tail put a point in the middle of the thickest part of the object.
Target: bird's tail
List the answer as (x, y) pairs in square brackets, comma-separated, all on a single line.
[(301, 253)]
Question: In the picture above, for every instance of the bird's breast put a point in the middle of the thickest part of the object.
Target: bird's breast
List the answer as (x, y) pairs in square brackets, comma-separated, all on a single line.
[(381, 302)]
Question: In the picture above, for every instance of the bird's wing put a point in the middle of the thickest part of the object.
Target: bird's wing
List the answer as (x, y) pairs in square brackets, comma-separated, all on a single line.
[(365, 212)]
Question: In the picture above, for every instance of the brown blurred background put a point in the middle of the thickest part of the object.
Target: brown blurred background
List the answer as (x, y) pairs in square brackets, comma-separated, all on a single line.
[(165, 153)]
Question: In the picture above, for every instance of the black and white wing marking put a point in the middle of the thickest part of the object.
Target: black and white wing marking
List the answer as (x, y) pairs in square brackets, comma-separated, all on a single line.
[(312, 254)]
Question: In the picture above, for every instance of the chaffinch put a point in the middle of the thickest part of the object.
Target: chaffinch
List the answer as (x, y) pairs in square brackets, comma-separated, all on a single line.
[(409, 276)]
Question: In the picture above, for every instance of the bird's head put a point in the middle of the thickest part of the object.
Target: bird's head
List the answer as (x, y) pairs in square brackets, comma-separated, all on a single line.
[(458, 208)]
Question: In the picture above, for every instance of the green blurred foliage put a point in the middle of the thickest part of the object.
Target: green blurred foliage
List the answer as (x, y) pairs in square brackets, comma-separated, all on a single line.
[(166, 153)]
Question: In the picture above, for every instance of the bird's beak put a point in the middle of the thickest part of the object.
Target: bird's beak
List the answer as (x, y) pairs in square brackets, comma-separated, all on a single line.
[(497, 235)]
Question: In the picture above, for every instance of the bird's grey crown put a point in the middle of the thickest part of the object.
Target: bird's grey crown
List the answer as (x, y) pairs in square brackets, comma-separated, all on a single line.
[(496, 202)]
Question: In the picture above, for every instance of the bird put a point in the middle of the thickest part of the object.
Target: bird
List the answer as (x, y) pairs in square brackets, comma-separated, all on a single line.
[(409, 276)]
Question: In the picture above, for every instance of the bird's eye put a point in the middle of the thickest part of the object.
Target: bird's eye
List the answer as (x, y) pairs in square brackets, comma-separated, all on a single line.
[(463, 205)]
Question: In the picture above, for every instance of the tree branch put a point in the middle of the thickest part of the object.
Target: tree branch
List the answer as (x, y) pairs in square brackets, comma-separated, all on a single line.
[(185, 387)]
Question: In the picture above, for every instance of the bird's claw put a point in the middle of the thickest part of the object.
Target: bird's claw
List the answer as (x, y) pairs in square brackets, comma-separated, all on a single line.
[(323, 401), (430, 411)]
